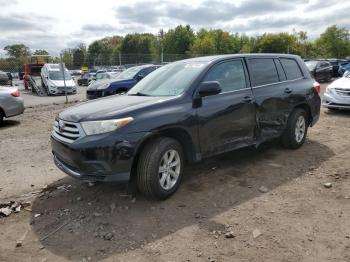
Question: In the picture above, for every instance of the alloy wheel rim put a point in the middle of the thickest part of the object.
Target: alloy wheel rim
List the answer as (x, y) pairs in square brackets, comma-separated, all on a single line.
[(169, 169), (300, 128)]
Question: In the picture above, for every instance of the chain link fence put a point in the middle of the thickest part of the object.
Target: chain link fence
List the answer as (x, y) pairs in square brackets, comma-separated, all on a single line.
[(17, 67)]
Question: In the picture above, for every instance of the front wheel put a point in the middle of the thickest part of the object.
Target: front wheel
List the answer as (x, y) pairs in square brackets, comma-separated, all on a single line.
[(295, 133), (160, 168)]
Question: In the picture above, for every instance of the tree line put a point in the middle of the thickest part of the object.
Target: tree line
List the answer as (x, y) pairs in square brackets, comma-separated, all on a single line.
[(183, 42)]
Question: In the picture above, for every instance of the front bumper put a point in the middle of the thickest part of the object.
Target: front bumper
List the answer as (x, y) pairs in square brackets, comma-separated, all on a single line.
[(104, 157), (93, 94), (335, 101), (61, 90)]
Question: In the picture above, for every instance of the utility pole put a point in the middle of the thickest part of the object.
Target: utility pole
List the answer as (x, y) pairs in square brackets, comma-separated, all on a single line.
[(161, 37), (64, 78)]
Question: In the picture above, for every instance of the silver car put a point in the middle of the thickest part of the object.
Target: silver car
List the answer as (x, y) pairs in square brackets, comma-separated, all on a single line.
[(11, 104), (337, 95)]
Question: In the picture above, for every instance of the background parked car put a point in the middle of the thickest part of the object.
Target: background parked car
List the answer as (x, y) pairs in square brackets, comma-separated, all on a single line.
[(4, 79), (337, 95), (343, 68), (52, 80), (11, 104), (86, 78), (76, 72), (336, 63), (122, 83), (321, 70), (99, 72)]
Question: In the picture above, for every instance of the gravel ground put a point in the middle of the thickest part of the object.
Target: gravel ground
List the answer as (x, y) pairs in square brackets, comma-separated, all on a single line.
[(265, 204)]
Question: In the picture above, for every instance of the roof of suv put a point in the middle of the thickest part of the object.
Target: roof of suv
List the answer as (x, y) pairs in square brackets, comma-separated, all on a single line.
[(53, 67), (219, 57)]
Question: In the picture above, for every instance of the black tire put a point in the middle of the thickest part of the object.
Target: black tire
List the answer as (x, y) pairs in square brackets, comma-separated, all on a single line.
[(148, 167), (333, 109), (289, 138), (2, 115)]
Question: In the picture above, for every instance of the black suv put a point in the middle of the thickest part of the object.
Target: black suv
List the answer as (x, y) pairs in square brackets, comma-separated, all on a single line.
[(184, 112)]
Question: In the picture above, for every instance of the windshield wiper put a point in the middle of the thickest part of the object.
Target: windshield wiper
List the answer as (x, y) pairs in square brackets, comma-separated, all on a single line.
[(139, 94)]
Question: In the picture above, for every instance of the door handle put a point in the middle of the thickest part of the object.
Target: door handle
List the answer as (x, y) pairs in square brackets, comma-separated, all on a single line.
[(247, 99), (288, 90)]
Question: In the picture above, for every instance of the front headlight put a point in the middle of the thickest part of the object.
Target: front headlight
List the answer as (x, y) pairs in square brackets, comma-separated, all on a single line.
[(329, 90), (104, 86), (104, 126)]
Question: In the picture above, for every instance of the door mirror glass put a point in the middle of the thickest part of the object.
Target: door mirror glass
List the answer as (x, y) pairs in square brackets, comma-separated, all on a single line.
[(209, 88), (139, 77)]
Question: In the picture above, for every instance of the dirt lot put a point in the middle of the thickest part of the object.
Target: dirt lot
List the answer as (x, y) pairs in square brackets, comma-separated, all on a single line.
[(271, 201)]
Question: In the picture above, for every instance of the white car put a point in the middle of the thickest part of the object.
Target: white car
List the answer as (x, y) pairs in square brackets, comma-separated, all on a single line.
[(337, 95), (52, 80)]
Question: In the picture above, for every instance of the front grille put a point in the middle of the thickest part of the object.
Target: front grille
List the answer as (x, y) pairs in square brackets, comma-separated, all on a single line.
[(67, 131), (63, 89), (343, 92)]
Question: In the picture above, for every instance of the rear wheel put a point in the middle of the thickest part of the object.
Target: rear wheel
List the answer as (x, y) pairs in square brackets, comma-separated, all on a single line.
[(160, 168), (2, 115), (295, 133)]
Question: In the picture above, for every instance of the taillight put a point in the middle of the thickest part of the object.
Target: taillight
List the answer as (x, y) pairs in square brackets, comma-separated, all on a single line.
[(16, 93), (317, 87)]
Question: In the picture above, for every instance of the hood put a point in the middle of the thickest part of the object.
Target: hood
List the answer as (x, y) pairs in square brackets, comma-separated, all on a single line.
[(61, 82), (94, 85), (113, 83), (122, 82), (109, 107), (341, 83)]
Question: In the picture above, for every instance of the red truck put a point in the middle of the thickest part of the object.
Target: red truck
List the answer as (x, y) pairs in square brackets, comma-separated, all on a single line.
[(34, 67)]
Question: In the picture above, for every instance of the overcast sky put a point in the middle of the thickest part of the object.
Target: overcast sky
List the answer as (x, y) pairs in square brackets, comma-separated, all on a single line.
[(54, 25)]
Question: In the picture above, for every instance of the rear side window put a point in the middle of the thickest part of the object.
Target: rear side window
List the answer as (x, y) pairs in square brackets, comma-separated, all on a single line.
[(324, 64), (148, 70), (291, 68), (280, 70), (230, 75), (263, 71)]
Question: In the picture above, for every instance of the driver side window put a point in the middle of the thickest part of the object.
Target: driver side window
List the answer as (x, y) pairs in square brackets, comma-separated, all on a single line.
[(230, 75)]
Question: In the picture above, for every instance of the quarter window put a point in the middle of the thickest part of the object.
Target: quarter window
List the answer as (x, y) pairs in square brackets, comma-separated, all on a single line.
[(230, 75), (263, 71), (291, 68)]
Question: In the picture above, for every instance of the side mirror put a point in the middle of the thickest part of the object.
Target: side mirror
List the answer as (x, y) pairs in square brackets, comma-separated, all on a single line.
[(139, 77), (209, 88)]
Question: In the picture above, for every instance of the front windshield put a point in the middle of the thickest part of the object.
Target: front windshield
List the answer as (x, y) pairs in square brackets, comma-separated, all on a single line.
[(114, 75), (170, 80), (347, 74), (129, 73), (311, 65), (100, 76), (57, 75)]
